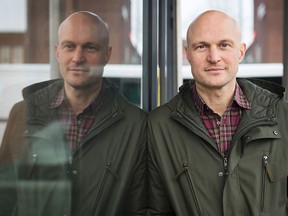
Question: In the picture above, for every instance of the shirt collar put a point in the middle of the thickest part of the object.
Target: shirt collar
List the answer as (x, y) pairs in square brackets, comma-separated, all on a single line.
[(239, 100), (59, 99), (94, 105)]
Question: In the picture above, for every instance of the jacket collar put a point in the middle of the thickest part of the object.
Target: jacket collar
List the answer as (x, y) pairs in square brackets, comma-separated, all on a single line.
[(40, 95), (260, 94), (270, 86)]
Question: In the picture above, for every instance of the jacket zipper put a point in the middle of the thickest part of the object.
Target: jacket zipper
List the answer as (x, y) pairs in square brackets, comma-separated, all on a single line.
[(97, 198), (34, 161), (225, 163), (267, 172), (190, 182), (268, 169)]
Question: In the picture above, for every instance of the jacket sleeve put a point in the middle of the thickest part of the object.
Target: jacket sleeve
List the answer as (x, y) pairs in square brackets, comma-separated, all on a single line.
[(158, 199), (9, 151)]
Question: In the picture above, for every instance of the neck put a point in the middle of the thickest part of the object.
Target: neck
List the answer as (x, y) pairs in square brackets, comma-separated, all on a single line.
[(217, 99), (79, 99)]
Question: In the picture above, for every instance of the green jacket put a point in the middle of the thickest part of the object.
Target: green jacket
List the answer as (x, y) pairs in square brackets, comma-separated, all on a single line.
[(189, 177), (106, 176)]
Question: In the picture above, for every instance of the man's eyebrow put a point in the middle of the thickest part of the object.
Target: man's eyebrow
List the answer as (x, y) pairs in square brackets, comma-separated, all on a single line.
[(91, 43), (227, 40), (65, 42), (196, 43)]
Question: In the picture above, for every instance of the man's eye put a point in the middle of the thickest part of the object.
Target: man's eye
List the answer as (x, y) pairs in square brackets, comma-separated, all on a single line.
[(202, 46), (91, 48), (68, 46), (224, 45)]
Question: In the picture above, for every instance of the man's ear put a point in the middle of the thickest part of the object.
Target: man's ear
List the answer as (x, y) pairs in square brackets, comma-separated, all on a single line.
[(108, 54), (187, 53), (56, 51), (242, 51)]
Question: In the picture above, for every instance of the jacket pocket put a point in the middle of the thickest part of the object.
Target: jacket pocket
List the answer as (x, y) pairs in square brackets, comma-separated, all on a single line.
[(185, 171), (102, 184), (267, 177)]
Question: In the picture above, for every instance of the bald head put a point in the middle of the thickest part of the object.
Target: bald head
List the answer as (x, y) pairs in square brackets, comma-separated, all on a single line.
[(82, 50), (211, 21), (80, 21), (214, 51)]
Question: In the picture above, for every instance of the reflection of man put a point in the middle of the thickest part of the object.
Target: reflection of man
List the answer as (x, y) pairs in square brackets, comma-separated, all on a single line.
[(220, 146), (83, 149)]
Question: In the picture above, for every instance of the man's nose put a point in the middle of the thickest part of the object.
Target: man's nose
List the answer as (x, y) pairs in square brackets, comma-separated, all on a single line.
[(78, 56), (214, 55)]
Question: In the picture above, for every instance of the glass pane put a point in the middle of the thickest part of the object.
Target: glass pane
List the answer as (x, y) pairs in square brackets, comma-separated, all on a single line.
[(25, 46), (28, 33)]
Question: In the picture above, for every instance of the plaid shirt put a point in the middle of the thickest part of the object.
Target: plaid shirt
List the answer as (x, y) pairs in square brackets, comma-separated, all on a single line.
[(76, 127), (222, 128)]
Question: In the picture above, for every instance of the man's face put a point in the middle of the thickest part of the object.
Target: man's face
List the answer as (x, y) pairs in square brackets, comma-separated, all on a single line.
[(81, 52), (214, 51)]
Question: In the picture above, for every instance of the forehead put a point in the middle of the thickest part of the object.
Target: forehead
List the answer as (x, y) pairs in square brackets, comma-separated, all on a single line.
[(214, 28), (80, 28)]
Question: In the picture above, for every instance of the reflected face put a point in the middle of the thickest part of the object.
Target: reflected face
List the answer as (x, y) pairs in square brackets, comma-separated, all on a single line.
[(82, 51), (214, 50)]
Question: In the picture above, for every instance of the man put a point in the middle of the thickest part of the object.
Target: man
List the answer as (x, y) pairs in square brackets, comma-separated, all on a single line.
[(83, 147), (220, 146)]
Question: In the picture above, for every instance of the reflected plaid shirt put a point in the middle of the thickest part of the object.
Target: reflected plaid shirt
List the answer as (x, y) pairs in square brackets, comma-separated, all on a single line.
[(222, 128), (76, 127)]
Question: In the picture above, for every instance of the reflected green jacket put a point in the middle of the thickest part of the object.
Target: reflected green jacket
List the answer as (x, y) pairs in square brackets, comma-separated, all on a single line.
[(189, 177), (106, 176)]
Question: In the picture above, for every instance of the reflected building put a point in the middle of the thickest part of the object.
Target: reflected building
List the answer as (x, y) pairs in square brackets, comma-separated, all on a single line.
[(267, 46), (33, 45)]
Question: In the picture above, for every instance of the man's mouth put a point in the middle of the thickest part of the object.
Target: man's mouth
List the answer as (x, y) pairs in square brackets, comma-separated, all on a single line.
[(78, 69), (211, 69)]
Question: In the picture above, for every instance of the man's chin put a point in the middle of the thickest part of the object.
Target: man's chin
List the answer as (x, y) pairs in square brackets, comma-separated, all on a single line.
[(85, 84)]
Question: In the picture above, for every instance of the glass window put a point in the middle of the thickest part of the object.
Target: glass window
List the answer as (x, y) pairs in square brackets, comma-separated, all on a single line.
[(47, 169), (262, 31), (28, 35)]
